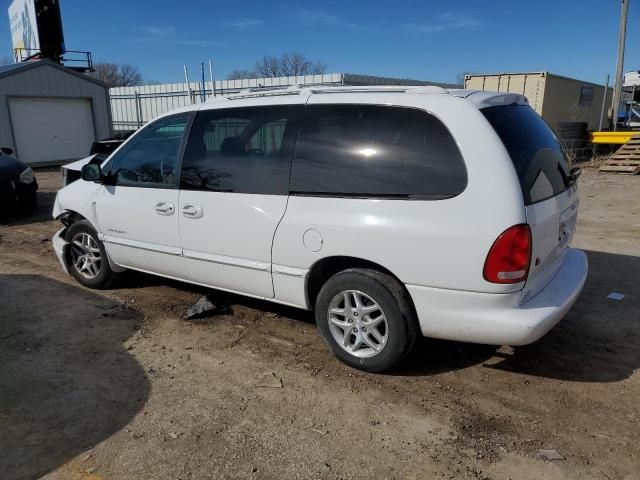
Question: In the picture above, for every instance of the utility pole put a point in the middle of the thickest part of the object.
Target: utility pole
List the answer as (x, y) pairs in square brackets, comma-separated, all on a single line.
[(617, 90)]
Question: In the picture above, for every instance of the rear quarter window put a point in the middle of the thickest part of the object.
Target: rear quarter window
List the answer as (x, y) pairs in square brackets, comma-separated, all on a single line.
[(379, 151), (536, 154)]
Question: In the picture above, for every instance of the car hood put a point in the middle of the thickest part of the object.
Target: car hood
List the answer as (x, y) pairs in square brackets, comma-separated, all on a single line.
[(78, 164), (10, 167)]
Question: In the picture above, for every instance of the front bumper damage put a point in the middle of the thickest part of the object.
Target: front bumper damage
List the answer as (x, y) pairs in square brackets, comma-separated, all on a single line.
[(60, 248)]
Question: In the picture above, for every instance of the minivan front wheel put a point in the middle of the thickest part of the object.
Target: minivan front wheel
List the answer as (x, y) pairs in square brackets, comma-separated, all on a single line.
[(86, 256), (366, 319)]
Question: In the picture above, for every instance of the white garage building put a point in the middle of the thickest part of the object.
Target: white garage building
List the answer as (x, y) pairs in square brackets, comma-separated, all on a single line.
[(51, 114)]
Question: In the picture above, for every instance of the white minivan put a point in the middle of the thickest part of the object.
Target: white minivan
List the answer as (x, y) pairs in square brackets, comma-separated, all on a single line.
[(390, 211)]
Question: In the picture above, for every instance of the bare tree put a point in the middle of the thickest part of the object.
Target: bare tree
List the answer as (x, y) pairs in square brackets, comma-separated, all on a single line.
[(294, 63), (115, 75), (269, 66), (240, 74), (287, 65)]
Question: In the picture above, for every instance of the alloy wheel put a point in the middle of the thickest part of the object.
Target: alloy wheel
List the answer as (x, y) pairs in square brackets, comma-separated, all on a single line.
[(85, 255), (358, 324)]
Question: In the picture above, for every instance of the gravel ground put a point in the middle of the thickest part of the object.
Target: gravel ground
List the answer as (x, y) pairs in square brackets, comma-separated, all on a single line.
[(114, 385)]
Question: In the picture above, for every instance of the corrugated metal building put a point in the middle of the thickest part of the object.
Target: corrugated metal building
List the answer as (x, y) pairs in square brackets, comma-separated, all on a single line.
[(49, 113), (132, 107), (556, 98)]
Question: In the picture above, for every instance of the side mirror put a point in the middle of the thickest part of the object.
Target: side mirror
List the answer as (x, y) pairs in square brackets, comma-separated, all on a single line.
[(91, 172), (6, 150)]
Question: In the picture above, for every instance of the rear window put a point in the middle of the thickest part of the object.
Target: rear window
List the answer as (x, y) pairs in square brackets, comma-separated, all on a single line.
[(534, 150), (378, 151)]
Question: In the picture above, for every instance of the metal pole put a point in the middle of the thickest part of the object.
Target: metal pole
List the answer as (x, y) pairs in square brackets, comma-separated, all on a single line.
[(213, 84), (604, 102), (138, 113), (186, 79), (202, 85), (633, 94), (620, 65)]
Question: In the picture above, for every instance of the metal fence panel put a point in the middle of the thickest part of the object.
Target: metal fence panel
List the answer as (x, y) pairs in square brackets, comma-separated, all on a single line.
[(132, 107)]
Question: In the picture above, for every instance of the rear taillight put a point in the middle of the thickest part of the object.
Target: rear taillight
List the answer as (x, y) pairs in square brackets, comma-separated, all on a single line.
[(509, 257)]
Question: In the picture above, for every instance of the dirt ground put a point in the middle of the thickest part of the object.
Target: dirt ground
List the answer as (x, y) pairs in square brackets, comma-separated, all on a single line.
[(114, 385)]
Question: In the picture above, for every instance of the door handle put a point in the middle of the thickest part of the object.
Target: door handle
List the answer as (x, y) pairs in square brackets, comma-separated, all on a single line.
[(165, 208), (191, 210)]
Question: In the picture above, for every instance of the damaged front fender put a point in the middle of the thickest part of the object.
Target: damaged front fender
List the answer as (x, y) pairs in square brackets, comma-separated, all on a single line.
[(60, 246)]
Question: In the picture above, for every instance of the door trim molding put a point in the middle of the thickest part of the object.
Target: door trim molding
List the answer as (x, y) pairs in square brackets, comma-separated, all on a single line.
[(224, 260), (289, 271), (151, 247)]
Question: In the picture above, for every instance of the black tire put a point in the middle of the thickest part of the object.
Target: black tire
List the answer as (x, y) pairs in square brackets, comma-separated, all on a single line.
[(393, 302), (581, 126), (8, 198), (573, 143), (571, 135), (105, 275), (29, 201)]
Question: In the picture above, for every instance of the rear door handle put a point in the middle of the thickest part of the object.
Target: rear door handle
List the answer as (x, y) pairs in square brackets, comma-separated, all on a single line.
[(191, 210), (165, 208)]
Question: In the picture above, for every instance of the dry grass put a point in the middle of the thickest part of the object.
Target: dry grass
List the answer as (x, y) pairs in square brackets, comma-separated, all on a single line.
[(596, 161)]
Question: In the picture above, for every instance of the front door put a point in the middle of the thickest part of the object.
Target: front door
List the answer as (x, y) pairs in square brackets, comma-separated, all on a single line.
[(138, 215), (234, 188)]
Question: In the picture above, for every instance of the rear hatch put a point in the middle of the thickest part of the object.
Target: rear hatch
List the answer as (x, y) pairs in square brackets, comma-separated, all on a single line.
[(548, 188)]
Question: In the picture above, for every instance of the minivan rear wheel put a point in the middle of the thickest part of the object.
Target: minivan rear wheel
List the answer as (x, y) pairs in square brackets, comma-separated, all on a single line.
[(366, 319)]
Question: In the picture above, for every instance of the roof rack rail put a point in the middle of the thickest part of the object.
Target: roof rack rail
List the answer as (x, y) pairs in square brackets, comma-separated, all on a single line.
[(263, 92), (434, 89), (296, 89), (380, 89)]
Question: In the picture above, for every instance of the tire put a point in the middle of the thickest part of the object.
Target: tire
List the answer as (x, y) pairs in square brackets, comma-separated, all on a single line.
[(397, 325), (572, 125), (571, 135), (573, 143), (572, 131), (29, 201), (8, 198), (83, 240)]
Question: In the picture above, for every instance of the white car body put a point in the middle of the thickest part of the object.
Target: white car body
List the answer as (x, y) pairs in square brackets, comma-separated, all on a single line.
[(267, 246)]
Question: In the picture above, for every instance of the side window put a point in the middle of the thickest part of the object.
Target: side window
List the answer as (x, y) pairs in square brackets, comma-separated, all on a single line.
[(369, 150), (151, 157), (241, 150)]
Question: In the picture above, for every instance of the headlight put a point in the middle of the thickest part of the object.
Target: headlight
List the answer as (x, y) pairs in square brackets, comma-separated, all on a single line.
[(27, 176)]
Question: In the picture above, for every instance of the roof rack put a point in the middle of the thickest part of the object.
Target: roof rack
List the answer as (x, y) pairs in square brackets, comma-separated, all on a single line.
[(433, 89), (296, 89), (254, 92)]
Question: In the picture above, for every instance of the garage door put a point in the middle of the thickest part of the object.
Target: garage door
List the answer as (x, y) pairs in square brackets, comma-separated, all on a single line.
[(51, 129)]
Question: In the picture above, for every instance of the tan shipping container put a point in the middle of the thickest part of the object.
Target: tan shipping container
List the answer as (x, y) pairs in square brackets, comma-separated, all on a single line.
[(556, 98)]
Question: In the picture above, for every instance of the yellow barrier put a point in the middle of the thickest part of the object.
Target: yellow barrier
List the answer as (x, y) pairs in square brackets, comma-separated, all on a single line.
[(617, 138)]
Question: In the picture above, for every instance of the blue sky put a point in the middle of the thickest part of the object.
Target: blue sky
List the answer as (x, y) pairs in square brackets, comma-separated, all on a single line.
[(430, 40)]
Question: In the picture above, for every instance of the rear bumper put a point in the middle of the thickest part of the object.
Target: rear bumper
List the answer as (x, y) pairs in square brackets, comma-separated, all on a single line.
[(498, 319)]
